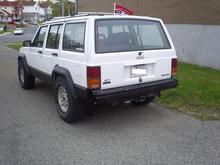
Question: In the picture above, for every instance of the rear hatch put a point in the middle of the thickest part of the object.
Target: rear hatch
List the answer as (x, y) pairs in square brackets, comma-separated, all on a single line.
[(132, 51)]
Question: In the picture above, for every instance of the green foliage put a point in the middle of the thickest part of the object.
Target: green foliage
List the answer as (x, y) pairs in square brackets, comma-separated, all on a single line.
[(197, 94), (69, 8)]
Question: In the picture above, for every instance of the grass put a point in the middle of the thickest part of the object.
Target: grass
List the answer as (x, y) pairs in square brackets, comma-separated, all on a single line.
[(14, 45), (198, 92), (2, 32)]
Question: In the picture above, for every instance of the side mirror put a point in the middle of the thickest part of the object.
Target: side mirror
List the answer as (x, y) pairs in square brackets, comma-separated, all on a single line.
[(27, 43)]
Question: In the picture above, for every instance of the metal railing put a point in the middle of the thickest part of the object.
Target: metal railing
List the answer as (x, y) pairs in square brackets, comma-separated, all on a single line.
[(92, 13)]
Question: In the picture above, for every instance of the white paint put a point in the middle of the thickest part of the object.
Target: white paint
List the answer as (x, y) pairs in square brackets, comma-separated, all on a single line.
[(115, 67)]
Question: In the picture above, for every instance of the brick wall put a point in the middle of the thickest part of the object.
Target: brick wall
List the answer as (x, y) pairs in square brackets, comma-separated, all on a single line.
[(171, 11)]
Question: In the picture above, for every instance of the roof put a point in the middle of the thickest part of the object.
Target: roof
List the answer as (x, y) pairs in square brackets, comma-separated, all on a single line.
[(5, 12), (14, 4), (44, 5), (98, 16)]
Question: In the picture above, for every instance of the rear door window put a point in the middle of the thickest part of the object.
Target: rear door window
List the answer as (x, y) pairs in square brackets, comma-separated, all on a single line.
[(54, 36)]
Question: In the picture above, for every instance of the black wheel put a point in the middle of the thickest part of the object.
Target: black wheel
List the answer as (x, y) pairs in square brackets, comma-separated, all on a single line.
[(26, 80), (147, 101), (69, 108)]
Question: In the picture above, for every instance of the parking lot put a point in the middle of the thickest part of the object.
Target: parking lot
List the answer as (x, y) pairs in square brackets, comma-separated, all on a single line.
[(31, 131)]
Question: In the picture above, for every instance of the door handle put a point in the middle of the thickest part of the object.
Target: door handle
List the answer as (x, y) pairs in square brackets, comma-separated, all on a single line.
[(54, 54), (40, 52)]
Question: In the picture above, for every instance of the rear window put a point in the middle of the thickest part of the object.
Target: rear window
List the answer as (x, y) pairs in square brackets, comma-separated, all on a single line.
[(129, 35)]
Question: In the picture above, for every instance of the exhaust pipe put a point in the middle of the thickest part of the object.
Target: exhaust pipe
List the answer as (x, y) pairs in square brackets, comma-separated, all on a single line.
[(142, 98)]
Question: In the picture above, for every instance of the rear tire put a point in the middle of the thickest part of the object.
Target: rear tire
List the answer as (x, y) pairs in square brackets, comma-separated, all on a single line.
[(69, 108), (147, 101), (26, 80)]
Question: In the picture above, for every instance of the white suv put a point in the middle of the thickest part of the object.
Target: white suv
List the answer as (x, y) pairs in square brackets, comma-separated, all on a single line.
[(92, 59)]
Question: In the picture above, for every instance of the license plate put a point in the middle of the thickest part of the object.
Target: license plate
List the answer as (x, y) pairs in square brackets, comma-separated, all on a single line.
[(138, 71)]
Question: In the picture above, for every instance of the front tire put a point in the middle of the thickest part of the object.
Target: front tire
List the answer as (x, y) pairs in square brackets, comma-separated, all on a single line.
[(26, 80), (69, 108)]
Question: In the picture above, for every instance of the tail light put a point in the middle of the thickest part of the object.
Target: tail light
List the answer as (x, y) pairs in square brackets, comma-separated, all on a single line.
[(94, 77), (174, 67)]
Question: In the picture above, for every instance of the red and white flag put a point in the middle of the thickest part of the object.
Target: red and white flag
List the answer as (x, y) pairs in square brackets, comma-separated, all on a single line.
[(121, 10)]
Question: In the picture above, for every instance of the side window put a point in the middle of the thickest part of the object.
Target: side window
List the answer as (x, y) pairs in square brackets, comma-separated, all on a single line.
[(39, 39), (74, 37), (53, 38)]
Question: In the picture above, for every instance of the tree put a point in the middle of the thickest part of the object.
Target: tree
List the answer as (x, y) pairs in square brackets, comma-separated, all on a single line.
[(69, 8)]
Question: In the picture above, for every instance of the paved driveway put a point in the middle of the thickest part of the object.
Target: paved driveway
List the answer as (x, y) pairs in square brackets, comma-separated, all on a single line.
[(31, 132)]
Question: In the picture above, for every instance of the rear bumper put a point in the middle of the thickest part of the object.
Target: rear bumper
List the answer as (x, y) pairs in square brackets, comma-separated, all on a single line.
[(131, 92)]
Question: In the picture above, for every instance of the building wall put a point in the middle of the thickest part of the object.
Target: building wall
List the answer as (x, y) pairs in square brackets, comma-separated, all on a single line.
[(171, 11), (35, 11), (197, 44), (28, 9), (41, 11), (31, 17)]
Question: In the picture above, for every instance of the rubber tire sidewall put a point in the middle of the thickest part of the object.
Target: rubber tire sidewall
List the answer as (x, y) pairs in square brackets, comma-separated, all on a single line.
[(76, 109), (29, 80)]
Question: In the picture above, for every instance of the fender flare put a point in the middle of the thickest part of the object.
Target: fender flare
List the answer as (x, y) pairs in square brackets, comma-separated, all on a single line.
[(22, 58), (60, 71)]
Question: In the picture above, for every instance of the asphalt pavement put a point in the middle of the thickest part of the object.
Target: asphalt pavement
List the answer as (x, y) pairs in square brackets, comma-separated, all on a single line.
[(28, 35), (31, 132)]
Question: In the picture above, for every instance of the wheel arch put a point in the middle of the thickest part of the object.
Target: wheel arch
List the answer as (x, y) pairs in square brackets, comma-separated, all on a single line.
[(63, 72), (22, 58)]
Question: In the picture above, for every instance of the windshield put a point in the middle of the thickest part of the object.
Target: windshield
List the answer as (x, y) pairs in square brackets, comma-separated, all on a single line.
[(129, 35)]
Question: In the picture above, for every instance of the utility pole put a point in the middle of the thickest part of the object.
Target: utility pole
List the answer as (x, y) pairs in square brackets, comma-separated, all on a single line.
[(69, 8), (62, 7), (76, 6)]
